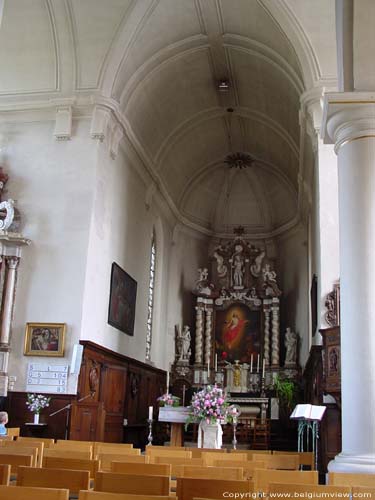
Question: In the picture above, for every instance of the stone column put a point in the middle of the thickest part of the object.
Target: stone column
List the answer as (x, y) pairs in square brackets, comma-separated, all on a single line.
[(275, 356), (208, 332), (266, 349), (8, 299), (199, 335), (349, 123)]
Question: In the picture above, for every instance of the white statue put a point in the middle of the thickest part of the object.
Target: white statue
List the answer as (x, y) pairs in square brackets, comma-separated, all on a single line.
[(256, 267), (202, 274), (291, 341), (221, 267), (238, 269), (183, 340), (268, 274), (7, 221)]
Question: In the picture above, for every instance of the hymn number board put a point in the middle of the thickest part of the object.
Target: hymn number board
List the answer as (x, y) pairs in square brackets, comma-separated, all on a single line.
[(43, 377)]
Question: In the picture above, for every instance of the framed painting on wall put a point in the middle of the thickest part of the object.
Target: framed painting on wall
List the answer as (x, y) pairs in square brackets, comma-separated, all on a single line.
[(122, 300), (238, 333), (44, 339)]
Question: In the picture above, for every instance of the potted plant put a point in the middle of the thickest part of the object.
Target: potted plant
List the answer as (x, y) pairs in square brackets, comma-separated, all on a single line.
[(168, 400)]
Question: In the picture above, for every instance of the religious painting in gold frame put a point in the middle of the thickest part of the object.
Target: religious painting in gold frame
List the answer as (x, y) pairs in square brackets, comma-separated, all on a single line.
[(45, 339), (238, 333)]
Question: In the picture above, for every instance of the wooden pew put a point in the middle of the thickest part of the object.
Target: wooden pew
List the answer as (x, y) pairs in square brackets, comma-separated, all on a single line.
[(177, 464), (363, 492), (26, 447), (93, 466), (64, 453), (188, 488), (209, 457), (308, 491), (4, 474), (344, 479), (100, 447), (104, 495), (15, 461), (114, 482), (165, 452), (11, 448), (28, 441), (225, 473), (25, 493), (107, 458), (118, 450), (68, 445), (281, 462), (73, 480), (263, 478), (13, 431), (197, 452), (247, 467), (141, 469), (306, 458)]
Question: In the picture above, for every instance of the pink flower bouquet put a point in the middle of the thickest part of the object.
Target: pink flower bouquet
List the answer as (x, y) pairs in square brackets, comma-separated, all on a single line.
[(209, 404)]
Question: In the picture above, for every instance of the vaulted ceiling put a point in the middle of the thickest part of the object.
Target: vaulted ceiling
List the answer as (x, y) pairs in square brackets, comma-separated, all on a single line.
[(160, 62)]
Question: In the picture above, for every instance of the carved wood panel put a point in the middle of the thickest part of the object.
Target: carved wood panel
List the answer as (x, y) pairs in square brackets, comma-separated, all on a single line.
[(88, 421)]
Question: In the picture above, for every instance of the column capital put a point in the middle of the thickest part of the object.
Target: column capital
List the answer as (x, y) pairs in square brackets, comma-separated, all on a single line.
[(347, 117), (12, 261)]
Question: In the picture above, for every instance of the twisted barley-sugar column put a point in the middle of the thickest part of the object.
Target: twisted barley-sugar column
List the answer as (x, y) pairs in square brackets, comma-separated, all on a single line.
[(267, 336), (208, 336), (198, 335), (275, 336)]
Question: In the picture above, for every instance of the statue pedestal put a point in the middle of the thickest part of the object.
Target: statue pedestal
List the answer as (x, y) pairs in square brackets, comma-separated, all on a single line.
[(210, 435)]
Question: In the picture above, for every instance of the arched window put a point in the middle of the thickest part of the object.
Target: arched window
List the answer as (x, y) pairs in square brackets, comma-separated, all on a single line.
[(150, 304)]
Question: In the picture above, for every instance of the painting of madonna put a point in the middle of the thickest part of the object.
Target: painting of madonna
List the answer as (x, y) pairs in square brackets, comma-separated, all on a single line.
[(238, 333)]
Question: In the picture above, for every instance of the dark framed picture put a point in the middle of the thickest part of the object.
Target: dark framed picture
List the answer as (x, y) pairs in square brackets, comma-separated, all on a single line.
[(122, 300), (44, 339), (238, 333)]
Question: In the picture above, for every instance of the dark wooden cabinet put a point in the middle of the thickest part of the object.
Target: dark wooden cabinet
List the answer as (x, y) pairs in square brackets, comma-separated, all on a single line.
[(87, 421)]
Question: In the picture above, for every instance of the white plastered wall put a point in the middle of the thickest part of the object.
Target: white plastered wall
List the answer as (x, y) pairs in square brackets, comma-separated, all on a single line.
[(293, 268), (121, 231), (52, 183)]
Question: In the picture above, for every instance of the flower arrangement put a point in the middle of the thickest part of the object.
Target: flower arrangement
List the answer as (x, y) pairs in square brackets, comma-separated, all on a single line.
[(168, 400), (36, 402), (208, 404)]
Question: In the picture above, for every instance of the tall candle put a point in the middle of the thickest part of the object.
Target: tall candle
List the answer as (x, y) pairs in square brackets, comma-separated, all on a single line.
[(258, 363), (167, 382), (215, 362), (150, 412), (208, 367), (264, 367), (251, 364), (183, 394)]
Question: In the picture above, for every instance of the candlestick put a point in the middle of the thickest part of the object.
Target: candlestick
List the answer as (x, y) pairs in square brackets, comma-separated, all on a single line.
[(258, 363), (215, 362), (251, 364), (150, 412), (264, 367), (150, 438), (167, 382)]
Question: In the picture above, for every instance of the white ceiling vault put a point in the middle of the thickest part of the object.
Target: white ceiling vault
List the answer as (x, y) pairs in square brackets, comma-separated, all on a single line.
[(158, 62)]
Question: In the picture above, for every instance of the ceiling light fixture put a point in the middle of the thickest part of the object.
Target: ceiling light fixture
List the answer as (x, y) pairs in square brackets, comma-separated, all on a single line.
[(223, 85)]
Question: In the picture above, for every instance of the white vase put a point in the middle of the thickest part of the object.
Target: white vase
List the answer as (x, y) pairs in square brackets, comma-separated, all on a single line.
[(210, 435), (36, 418)]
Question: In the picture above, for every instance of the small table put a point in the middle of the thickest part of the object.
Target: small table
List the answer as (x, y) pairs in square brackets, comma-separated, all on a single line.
[(36, 430)]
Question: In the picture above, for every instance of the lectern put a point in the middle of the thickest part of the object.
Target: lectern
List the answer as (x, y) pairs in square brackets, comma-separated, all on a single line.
[(308, 417), (177, 417)]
